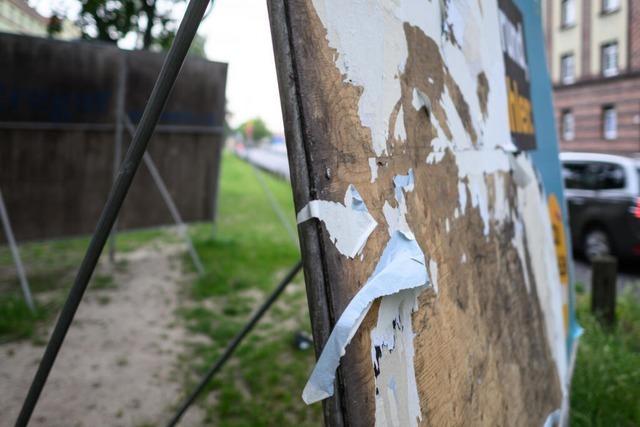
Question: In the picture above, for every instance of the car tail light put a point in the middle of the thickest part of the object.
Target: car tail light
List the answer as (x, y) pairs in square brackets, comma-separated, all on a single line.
[(636, 209)]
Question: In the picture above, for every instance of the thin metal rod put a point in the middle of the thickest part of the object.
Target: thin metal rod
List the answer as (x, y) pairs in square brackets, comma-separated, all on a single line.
[(274, 205), (161, 90), (16, 255), (233, 344), (99, 127), (168, 200), (106, 127)]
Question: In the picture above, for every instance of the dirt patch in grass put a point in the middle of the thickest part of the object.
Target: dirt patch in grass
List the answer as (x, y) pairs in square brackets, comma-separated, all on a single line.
[(117, 365)]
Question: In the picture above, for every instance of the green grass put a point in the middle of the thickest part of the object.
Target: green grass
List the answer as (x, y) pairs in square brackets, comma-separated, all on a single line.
[(16, 320), (251, 251), (606, 382)]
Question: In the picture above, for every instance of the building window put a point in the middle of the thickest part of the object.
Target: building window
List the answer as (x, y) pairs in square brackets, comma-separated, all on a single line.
[(567, 13), (567, 68), (568, 125), (609, 6), (609, 55), (609, 122)]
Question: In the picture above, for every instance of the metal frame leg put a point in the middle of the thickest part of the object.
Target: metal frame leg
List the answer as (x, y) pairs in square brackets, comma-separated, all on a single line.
[(274, 204), (168, 200), (219, 363), (24, 283)]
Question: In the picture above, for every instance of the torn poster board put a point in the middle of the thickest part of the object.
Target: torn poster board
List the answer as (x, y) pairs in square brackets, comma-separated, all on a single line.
[(512, 38), (448, 305)]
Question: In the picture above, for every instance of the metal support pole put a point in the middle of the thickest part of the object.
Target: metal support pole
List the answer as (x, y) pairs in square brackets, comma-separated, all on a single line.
[(234, 344), (274, 205), (117, 148), (153, 110), (164, 192), (16, 255), (604, 270)]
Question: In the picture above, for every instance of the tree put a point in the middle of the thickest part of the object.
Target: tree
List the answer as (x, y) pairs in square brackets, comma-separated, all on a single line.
[(254, 129), (197, 46), (111, 20)]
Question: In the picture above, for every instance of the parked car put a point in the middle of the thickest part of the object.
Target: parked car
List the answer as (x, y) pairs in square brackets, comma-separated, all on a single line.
[(603, 195)]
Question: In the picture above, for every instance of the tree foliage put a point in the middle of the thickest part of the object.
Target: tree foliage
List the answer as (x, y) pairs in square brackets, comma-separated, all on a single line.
[(112, 20), (254, 129)]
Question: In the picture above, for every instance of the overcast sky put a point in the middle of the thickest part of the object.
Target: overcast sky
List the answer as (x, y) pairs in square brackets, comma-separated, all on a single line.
[(237, 33)]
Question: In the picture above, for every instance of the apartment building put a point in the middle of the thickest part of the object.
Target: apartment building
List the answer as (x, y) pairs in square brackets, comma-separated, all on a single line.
[(16, 16), (593, 53)]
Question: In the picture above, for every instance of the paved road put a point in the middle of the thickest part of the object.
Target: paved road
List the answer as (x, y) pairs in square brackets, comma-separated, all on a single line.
[(628, 276), (274, 161)]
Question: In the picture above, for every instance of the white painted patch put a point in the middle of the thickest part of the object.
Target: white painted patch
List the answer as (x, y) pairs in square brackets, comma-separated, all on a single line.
[(420, 100), (349, 225), (447, 226), (433, 274), (462, 197), (400, 132), (473, 167), (457, 22), (392, 351), (372, 55), (373, 166), (374, 68), (463, 258), (396, 216)]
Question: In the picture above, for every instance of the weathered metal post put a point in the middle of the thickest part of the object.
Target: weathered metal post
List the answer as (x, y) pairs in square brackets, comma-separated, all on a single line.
[(4, 217), (603, 289)]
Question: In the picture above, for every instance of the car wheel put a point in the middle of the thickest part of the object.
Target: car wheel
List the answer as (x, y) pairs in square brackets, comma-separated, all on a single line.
[(596, 243)]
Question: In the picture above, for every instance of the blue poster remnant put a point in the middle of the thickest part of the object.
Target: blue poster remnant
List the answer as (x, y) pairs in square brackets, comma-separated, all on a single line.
[(545, 154)]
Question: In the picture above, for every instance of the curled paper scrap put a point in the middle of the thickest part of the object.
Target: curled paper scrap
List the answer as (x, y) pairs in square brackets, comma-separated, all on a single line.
[(349, 225), (401, 266), (396, 216)]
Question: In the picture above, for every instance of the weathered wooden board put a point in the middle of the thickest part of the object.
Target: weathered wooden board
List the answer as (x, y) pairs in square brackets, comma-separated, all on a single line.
[(405, 101), (55, 181)]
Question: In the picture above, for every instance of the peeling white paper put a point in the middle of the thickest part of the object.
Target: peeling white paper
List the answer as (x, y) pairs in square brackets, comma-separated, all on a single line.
[(392, 351), (401, 266), (373, 166), (349, 225), (396, 217)]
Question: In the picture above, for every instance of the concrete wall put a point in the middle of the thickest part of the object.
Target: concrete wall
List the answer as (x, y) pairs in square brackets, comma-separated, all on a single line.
[(57, 129)]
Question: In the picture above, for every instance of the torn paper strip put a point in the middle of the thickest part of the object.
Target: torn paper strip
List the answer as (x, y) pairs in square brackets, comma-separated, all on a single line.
[(392, 351), (401, 266), (349, 225), (396, 217)]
